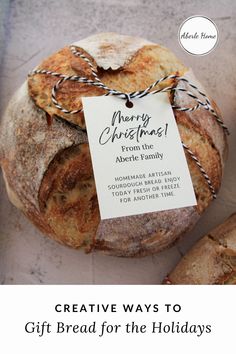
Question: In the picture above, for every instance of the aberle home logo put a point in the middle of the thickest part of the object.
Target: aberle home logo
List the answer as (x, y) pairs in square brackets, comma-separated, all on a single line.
[(198, 35)]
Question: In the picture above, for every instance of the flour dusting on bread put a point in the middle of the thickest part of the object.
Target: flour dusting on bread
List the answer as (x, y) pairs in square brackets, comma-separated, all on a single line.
[(111, 50)]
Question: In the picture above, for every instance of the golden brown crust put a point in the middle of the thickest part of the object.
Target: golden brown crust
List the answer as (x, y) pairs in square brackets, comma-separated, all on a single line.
[(147, 65), (195, 139), (201, 118), (50, 172), (212, 260), (68, 197), (70, 92)]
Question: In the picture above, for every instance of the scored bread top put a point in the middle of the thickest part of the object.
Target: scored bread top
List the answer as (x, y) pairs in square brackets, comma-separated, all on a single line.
[(111, 50), (137, 63), (29, 144)]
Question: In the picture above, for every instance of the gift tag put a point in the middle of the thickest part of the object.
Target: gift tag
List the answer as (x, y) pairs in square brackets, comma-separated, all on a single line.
[(138, 160)]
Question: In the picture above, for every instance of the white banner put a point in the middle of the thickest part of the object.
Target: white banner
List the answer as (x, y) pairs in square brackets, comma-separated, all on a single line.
[(117, 319)]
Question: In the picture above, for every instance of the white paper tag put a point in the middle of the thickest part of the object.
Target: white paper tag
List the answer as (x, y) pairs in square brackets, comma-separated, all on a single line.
[(138, 159)]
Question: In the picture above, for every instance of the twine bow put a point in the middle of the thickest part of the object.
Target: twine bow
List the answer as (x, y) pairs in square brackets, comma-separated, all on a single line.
[(131, 96)]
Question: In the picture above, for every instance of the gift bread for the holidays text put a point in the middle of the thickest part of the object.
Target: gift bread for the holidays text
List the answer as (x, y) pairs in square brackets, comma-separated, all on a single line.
[(45, 155), (212, 260)]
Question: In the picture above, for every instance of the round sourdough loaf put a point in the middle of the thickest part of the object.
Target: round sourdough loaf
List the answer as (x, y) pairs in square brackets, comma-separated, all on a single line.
[(46, 161)]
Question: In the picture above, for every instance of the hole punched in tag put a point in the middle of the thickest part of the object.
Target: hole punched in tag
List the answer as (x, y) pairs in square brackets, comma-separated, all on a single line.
[(128, 103)]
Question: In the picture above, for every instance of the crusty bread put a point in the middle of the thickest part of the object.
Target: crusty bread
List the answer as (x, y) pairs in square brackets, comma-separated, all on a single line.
[(46, 160), (212, 260)]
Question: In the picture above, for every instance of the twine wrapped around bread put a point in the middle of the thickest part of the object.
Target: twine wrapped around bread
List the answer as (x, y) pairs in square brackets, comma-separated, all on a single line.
[(137, 94)]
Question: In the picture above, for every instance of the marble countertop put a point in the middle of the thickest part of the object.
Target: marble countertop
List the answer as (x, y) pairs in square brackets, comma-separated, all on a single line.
[(30, 31)]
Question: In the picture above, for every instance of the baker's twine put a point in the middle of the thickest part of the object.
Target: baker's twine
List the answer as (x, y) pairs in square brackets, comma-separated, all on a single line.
[(205, 103)]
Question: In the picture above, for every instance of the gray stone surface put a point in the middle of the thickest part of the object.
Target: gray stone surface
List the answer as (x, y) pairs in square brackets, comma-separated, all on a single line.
[(34, 29)]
